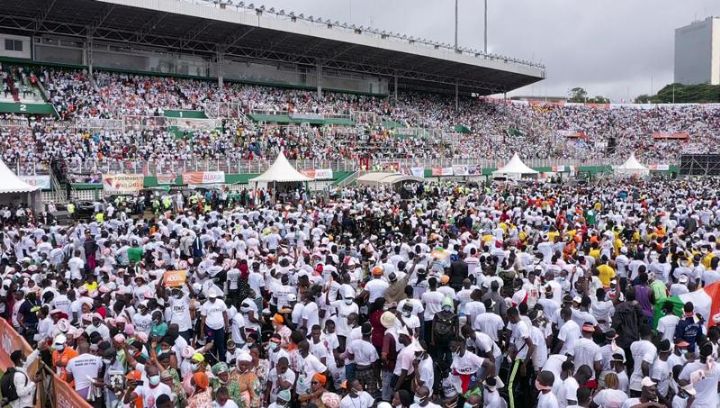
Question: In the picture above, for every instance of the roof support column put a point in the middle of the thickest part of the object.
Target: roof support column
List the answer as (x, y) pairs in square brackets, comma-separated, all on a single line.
[(88, 53), (457, 96), (395, 86), (220, 61), (319, 79)]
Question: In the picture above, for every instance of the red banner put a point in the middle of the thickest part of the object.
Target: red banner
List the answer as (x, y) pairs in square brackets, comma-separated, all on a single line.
[(10, 341), (65, 395)]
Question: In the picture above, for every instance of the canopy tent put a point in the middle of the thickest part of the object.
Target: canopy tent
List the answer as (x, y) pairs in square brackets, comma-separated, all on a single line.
[(632, 167), (281, 171), (283, 177), (14, 191), (514, 169), (379, 178)]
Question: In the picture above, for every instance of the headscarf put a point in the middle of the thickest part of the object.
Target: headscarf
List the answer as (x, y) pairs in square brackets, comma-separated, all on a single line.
[(201, 381), (322, 379), (219, 368)]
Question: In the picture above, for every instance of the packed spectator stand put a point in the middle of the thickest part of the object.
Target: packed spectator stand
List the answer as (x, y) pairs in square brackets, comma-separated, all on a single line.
[(495, 129)]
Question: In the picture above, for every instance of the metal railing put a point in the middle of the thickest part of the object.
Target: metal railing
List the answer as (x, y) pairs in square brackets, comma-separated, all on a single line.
[(150, 168)]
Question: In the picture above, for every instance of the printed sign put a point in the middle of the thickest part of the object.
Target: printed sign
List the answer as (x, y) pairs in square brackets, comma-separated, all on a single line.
[(204, 177), (42, 182), (122, 183)]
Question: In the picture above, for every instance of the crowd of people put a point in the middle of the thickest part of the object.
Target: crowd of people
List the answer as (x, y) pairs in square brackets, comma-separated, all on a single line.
[(494, 129), (493, 296)]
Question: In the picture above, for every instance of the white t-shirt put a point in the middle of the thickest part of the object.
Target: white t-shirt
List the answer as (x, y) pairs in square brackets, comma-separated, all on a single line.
[(376, 288), (468, 363), (490, 324), (311, 314), (83, 368), (426, 371), (364, 352), (213, 313), (706, 390), (274, 379), (433, 303), (609, 398), (362, 400), (547, 401), (179, 313), (586, 352), (642, 350), (520, 332), (666, 327), (569, 333), (630, 402), (150, 395)]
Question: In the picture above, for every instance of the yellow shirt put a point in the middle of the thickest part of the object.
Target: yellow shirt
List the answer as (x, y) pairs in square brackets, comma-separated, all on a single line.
[(595, 253), (552, 235), (606, 273), (707, 260)]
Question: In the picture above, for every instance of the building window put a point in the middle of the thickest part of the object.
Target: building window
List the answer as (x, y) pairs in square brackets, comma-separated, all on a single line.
[(13, 45)]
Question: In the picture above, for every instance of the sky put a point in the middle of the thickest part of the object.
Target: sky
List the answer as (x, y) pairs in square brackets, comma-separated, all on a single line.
[(615, 48)]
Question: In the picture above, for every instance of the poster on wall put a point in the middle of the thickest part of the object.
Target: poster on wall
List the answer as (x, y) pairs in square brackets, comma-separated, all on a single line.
[(203, 177), (122, 183), (42, 182)]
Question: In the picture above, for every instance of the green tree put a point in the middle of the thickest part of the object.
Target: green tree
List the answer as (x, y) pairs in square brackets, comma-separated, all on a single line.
[(644, 99), (599, 99), (578, 95)]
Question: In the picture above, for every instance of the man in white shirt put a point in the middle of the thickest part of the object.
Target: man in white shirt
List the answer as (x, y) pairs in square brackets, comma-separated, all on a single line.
[(707, 382), (214, 321), (586, 351), (543, 383), (422, 399), (148, 392), (83, 369), (644, 353), (24, 385), (568, 334), (520, 351), (357, 397)]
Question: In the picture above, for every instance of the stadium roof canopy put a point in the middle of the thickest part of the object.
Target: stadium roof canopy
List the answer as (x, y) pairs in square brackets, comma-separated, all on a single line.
[(250, 33)]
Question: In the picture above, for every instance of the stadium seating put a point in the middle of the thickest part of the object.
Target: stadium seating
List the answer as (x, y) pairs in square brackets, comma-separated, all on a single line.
[(119, 116)]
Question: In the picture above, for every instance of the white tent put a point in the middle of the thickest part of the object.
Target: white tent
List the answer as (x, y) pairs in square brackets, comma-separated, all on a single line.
[(281, 171), (632, 167), (14, 191), (514, 169)]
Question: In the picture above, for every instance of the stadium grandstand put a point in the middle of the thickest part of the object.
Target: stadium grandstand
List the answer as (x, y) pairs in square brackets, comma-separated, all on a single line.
[(165, 87)]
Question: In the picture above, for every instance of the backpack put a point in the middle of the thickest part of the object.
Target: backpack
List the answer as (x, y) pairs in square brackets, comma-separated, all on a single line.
[(443, 327), (7, 384)]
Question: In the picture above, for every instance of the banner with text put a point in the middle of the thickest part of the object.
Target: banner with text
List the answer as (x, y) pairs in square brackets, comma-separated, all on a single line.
[(417, 171), (42, 182), (122, 183), (318, 174), (204, 177), (671, 135), (659, 167), (442, 171), (460, 170)]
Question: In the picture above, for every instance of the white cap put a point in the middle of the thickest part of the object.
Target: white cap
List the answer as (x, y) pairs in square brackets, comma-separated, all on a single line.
[(683, 279), (647, 382), (291, 297), (60, 339)]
